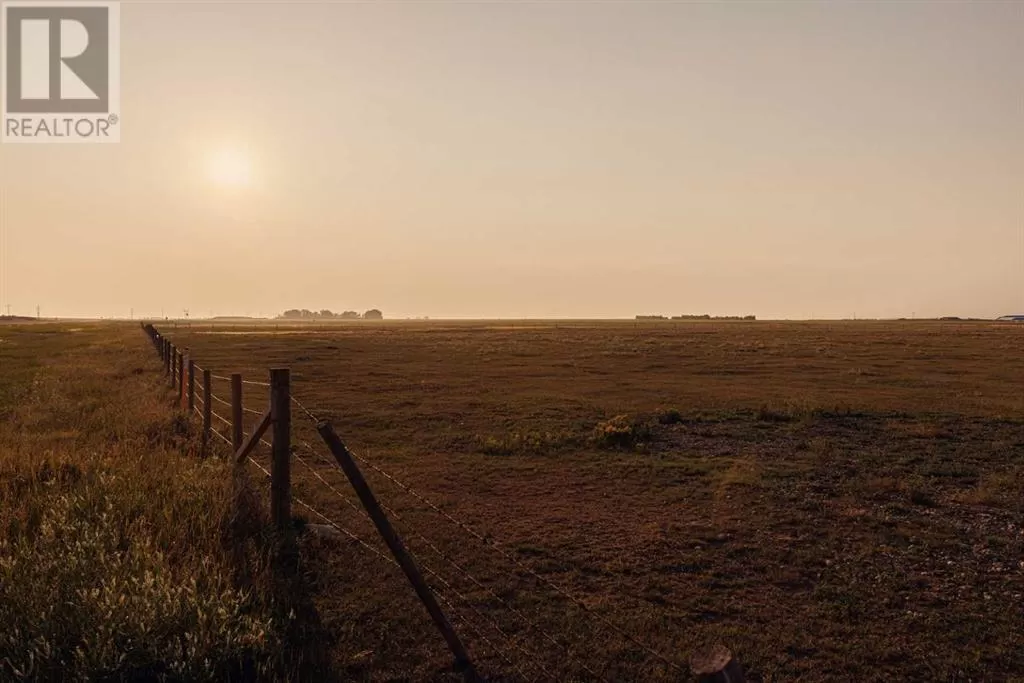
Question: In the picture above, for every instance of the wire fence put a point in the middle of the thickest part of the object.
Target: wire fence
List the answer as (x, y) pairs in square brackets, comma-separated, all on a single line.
[(520, 656)]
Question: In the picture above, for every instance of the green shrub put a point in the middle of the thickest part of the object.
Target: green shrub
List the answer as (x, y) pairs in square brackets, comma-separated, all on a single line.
[(621, 432)]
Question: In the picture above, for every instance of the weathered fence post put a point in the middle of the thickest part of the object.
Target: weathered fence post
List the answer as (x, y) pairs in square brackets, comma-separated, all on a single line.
[(171, 363), (716, 665), (191, 384), (181, 377), (280, 466), (397, 548), (236, 411), (207, 408)]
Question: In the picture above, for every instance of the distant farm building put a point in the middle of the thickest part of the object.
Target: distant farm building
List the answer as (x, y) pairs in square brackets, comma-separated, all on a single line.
[(1014, 318)]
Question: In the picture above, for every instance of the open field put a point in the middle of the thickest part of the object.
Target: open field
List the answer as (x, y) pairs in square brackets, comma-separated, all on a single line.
[(830, 500)]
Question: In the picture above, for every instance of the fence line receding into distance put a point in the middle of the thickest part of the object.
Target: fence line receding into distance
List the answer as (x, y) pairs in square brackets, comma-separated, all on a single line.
[(183, 373)]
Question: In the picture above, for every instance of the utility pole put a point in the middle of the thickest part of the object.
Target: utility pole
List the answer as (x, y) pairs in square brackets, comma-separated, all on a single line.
[(37, 311), (8, 310), (131, 314)]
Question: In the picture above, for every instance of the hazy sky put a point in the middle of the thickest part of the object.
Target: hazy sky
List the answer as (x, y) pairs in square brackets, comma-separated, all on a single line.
[(539, 159)]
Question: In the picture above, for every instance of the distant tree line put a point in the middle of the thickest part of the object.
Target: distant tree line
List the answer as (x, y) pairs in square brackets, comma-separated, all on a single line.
[(306, 314), (697, 317)]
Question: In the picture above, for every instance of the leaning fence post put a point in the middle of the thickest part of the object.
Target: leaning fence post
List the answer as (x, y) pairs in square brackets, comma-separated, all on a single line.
[(280, 466), (191, 384), (397, 548), (207, 408), (236, 412)]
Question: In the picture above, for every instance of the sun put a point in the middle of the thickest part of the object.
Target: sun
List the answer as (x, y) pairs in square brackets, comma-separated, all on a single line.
[(229, 168)]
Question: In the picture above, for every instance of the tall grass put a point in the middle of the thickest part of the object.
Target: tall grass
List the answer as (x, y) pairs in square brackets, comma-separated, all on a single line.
[(123, 556)]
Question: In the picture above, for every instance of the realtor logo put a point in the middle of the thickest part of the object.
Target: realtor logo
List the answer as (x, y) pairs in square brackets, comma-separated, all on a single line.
[(61, 71)]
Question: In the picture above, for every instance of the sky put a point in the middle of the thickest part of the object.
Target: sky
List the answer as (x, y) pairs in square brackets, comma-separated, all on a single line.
[(538, 159)]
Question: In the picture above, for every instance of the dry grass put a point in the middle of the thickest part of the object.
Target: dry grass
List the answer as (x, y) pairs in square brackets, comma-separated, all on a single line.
[(831, 500), (123, 556)]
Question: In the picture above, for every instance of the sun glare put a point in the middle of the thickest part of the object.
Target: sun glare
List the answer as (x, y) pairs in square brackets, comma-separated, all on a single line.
[(230, 168)]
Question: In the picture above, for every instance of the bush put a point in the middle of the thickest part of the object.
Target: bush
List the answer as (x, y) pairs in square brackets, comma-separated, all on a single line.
[(669, 416), (621, 432), (92, 595)]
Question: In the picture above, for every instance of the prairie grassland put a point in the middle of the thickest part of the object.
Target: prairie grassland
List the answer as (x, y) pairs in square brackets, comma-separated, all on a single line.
[(123, 555), (830, 500)]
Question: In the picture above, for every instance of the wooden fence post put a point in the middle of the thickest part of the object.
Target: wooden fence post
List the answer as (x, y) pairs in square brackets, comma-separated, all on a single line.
[(207, 408), (280, 466), (181, 377), (191, 385), (397, 548), (171, 363), (236, 412)]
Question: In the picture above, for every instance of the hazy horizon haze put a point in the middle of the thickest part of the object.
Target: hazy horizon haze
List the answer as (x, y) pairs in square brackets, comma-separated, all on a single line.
[(531, 160)]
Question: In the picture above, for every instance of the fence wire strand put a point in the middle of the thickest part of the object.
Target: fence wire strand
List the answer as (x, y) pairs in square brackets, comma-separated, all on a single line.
[(221, 418), (218, 399), (397, 517), (485, 540), (532, 625), (440, 579)]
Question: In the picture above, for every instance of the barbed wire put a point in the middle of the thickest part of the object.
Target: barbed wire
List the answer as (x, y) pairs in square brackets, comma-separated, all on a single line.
[(218, 399), (486, 540), (330, 521), (489, 542), (221, 418), (360, 511), (304, 409), (220, 436), (445, 557), (468, 624), (337, 526)]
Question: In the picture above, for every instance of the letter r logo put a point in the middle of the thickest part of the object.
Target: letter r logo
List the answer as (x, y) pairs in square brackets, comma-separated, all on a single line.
[(57, 58)]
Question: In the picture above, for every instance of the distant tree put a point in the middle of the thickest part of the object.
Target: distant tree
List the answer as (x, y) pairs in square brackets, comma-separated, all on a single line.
[(373, 314), (326, 313), (292, 313), (349, 315)]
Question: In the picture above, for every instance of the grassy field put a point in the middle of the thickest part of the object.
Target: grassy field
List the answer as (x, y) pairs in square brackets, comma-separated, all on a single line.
[(123, 555), (829, 500)]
